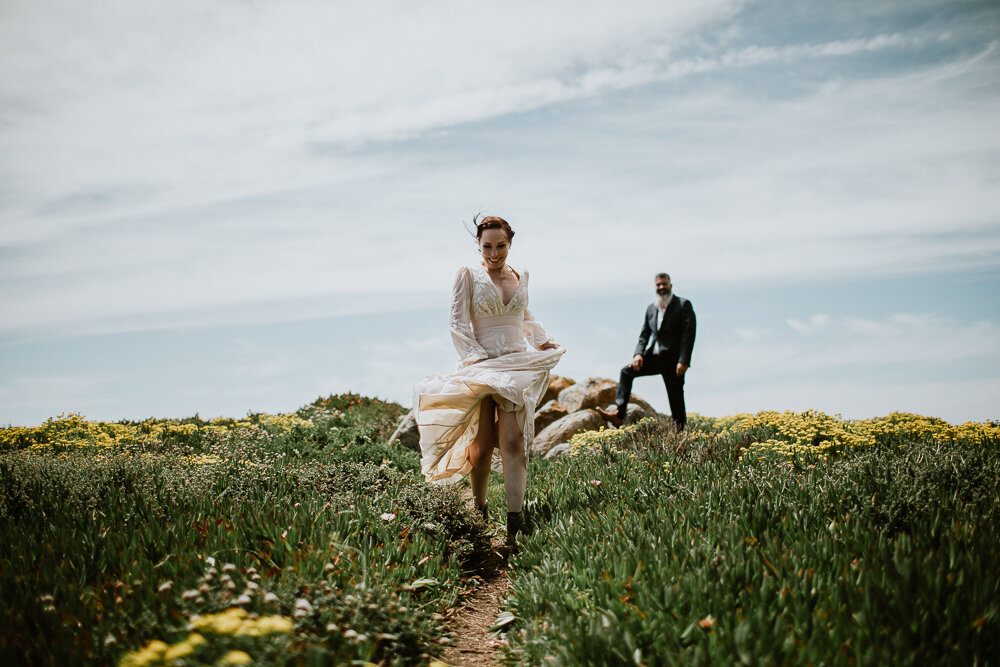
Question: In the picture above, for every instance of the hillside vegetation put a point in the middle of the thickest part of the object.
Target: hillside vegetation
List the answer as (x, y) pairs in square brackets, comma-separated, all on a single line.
[(781, 538)]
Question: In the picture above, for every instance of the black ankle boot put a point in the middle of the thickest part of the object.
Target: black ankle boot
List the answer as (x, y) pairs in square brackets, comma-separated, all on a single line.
[(513, 528)]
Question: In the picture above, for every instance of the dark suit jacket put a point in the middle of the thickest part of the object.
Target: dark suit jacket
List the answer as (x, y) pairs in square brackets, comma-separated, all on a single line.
[(676, 331)]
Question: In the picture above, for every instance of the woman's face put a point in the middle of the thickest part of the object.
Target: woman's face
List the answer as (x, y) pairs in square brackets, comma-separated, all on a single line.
[(494, 246)]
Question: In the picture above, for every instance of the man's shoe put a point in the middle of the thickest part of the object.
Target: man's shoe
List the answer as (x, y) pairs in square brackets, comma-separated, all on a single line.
[(610, 416)]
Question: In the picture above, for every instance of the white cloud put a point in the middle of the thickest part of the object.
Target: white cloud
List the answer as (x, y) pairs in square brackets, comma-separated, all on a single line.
[(830, 346), (814, 324), (192, 164)]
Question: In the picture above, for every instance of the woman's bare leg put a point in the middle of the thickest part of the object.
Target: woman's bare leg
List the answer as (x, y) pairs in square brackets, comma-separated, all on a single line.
[(481, 450), (515, 463)]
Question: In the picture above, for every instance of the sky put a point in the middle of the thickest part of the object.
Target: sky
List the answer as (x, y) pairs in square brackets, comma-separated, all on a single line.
[(232, 207)]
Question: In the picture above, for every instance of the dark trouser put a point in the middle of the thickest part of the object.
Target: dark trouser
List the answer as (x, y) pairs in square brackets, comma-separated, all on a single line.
[(655, 364)]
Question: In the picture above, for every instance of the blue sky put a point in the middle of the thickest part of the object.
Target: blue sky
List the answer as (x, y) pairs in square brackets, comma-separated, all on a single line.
[(230, 207)]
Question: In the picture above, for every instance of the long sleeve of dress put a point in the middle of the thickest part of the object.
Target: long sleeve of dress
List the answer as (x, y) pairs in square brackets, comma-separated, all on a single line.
[(469, 350), (535, 332)]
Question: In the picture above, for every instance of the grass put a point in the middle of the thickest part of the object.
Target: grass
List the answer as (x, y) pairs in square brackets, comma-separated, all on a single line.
[(322, 545), (655, 549), (301, 539)]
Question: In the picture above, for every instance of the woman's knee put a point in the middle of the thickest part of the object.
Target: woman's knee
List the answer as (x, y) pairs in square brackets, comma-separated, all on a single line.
[(512, 444)]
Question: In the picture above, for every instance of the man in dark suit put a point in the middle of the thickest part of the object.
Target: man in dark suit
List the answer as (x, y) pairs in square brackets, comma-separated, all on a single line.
[(664, 348)]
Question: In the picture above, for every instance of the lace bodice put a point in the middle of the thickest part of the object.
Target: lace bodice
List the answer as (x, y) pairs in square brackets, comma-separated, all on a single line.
[(482, 326)]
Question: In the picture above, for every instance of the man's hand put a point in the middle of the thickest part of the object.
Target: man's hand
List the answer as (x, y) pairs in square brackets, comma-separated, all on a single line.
[(548, 346), (681, 369), (636, 362)]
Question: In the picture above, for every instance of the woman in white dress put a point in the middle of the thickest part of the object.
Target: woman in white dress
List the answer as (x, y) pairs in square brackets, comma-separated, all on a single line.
[(503, 371)]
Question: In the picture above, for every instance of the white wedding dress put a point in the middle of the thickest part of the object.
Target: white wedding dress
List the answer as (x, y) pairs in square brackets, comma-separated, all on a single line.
[(500, 356)]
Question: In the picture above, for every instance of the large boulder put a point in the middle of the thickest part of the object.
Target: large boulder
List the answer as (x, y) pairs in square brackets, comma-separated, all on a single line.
[(556, 384), (647, 409), (558, 450), (547, 414), (563, 429), (589, 394), (406, 433), (636, 411)]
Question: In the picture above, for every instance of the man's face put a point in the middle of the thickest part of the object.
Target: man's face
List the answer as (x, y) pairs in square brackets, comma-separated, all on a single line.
[(663, 286)]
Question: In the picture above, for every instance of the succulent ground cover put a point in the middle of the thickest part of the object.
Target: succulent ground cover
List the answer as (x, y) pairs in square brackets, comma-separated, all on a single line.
[(785, 538), (297, 539), (777, 538)]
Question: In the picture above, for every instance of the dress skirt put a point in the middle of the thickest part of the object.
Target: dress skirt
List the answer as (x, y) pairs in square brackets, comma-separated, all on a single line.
[(447, 406)]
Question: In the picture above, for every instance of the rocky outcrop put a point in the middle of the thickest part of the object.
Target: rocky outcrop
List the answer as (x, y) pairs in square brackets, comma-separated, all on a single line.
[(635, 412), (547, 414), (590, 394), (558, 450), (406, 433), (556, 384), (562, 430)]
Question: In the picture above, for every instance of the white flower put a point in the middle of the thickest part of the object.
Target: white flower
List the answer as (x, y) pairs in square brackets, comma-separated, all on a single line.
[(165, 586), (209, 560), (270, 597), (189, 594), (303, 604), (387, 516)]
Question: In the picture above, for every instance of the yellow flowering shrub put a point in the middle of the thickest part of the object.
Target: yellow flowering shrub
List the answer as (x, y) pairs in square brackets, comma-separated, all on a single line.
[(815, 433), (236, 621), (233, 622), (73, 432), (613, 439)]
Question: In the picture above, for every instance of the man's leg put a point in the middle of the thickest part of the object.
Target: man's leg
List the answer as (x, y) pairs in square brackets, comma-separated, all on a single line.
[(625, 378), (675, 395)]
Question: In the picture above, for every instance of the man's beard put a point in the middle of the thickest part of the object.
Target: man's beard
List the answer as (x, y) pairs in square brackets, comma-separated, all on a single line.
[(663, 299)]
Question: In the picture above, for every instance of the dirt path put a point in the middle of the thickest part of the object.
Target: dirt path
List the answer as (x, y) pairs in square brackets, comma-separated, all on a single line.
[(472, 645)]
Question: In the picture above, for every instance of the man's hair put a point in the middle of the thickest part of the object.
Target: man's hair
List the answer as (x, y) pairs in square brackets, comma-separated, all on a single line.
[(661, 275)]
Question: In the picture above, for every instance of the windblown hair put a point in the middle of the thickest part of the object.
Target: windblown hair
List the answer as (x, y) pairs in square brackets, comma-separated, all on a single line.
[(491, 222)]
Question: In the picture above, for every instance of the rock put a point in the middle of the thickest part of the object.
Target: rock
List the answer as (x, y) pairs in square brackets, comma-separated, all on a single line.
[(557, 450), (635, 412), (589, 394), (406, 433), (563, 429), (648, 409), (547, 414), (556, 384)]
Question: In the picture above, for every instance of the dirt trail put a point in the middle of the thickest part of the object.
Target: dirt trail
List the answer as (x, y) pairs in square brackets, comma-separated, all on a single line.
[(472, 645)]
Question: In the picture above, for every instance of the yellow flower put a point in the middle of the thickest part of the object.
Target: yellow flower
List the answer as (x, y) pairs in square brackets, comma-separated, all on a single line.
[(269, 624), (178, 651), (236, 658)]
